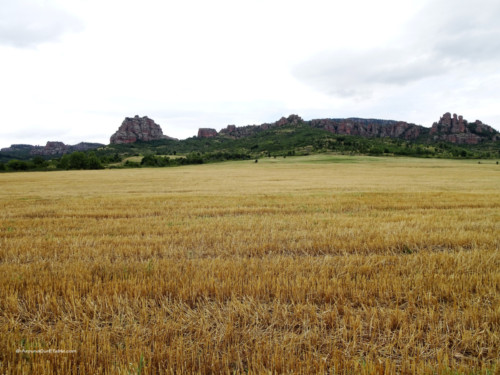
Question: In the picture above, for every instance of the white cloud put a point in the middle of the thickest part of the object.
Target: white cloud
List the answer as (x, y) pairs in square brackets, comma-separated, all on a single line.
[(195, 63), (447, 48), (28, 23), (362, 73)]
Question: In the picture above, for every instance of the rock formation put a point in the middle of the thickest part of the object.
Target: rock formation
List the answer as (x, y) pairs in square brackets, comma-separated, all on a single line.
[(85, 146), (51, 148), (457, 130), (206, 133), (349, 126), (233, 131), (450, 128), (370, 127), (137, 129)]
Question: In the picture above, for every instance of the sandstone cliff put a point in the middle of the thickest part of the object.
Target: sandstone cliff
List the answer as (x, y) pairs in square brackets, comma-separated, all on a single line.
[(138, 128), (349, 126), (454, 130), (370, 128), (207, 133), (233, 131), (457, 130)]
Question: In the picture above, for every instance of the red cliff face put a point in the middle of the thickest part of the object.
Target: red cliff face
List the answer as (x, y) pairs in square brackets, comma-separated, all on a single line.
[(52, 148), (369, 127), (290, 120), (447, 124), (206, 133), (455, 129), (233, 131), (137, 129), (450, 128)]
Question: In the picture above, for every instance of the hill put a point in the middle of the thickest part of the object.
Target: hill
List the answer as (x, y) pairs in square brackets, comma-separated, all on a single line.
[(454, 129), (50, 150), (140, 141), (449, 137)]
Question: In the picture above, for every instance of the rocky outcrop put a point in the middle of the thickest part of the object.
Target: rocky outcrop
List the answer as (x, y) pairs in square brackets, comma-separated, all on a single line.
[(450, 128), (207, 133), (85, 146), (455, 129), (290, 120), (349, 126), (138, 128), (51, 148), (370, 128), (233, 131)]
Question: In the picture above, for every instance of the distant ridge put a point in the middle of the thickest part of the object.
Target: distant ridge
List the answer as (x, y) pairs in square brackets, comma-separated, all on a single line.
[(50, 149), (453, 129), (450, 128)]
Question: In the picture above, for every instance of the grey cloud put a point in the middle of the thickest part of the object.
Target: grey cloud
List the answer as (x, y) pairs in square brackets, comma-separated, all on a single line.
[(25, 23), (351, 73), (479, 46), (467, 30), (444, 38)]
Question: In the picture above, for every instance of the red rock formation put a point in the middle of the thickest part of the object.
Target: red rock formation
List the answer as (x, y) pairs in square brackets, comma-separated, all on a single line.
[(369, 127), (138, 129), (51, 148), (457, 130), (206, 133), (447, 124), (233, 131), (290, 120)]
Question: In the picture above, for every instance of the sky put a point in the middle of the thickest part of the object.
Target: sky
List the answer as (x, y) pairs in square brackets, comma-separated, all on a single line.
[(72, 70)]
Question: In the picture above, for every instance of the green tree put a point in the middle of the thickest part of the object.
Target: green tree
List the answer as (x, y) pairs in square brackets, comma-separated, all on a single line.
[(78, 160), (149, 161), (17, 165), (39, 162), (93, 162), (63, 162)]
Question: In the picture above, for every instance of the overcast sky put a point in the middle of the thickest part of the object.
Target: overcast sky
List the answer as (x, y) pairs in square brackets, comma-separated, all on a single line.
[(72, 70)]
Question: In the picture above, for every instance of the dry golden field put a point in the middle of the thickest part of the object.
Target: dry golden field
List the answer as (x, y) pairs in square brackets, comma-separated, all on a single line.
[(312, 265)]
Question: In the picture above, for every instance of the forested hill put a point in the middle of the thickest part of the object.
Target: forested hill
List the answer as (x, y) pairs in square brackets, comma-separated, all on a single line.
[(454, 129), (450, 137)]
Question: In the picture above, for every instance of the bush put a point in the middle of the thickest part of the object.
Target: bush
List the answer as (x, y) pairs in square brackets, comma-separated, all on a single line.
[(63, 162), (78, 160), (93, 162), (132, 164), (17, 165), (39, 162), (149, 161)]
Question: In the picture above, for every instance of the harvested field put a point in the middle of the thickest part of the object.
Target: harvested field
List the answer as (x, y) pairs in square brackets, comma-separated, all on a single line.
[(321, 264)]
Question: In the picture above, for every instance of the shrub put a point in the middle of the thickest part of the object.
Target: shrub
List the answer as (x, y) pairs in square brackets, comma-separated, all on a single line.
[(17, 165)]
